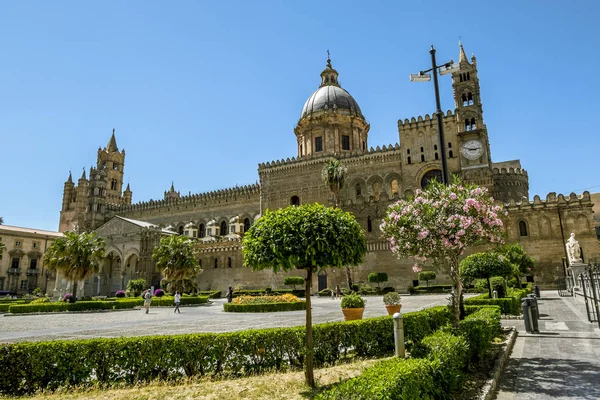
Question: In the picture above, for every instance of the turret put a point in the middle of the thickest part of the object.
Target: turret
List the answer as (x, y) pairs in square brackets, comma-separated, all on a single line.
[(68, 193), (172, 194), (127, 194)]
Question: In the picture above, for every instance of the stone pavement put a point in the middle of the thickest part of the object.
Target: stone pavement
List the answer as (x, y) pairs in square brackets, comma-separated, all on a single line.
[(561, 362), (162, 320)]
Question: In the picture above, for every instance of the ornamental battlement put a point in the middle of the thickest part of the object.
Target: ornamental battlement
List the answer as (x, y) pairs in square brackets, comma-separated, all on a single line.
[(552, 201), (215, 196), (318, 159), (420, 122), (509, 171)]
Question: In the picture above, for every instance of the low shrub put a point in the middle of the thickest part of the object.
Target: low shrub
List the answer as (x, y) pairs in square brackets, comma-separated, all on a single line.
[(40, 300), (427, 276), (284, 298), (498, 284), (169, 301), (128, 302), (120, 293), (367, 291), (391, 299), (293, 281), (395, 378), (264, 307), (430, 289), (352, 300), (27, 367), (55, 306), (508, 305), (387, 289), (377, 277), (479, 328), (325, 292)]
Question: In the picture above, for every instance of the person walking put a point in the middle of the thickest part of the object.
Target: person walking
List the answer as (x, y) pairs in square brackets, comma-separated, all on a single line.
[(338, 291), (229, 294), (147, 300), (177, 301)]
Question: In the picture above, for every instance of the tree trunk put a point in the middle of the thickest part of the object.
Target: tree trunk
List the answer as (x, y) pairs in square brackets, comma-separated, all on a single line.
[(458, 312), (349, 278), (74, 292), (489, 288), (308, 363)]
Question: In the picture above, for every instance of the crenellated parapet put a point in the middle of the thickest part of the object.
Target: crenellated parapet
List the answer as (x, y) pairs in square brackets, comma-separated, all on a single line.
[(310, 161), (572, 201), (208, 198), (421, 122), (510, 184)]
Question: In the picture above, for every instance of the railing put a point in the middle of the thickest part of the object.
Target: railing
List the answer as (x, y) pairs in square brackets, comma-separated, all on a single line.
[(590, 286), (33, 271), (564, 284), (14, 271)]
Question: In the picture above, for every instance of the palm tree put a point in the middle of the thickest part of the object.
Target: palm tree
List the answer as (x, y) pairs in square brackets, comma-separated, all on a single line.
[(176, 259), (76, 255), (1, 220), (334, 175)]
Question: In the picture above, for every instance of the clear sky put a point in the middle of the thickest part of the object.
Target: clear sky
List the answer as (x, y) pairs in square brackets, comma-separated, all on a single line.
[(201, 92)]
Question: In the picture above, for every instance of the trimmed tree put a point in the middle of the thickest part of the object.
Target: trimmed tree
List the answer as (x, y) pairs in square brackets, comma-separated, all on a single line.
[(176, 259), (484, 266), (308, 237), (136, 286), (293, 281), (333, 176), (427, 276), (439, 223), (377, 277), (76, 255), (516, 255)]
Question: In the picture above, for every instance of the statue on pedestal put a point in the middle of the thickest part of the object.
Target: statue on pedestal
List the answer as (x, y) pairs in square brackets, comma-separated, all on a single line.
[(573, 250)]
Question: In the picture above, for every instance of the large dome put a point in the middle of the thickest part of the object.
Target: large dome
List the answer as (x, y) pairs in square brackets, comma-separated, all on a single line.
[(330, 97)]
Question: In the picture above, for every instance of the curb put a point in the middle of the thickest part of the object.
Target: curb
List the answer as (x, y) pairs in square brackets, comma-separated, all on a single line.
[(136, 308), (490, 387)]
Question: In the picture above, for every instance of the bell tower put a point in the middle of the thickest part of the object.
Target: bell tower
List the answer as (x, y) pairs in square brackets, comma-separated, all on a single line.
[(113, 162), (475, 154)]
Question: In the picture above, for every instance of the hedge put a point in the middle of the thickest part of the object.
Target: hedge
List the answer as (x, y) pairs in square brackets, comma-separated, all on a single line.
[(27, 367), (437, 374), (54, 306), (508, 305), (265, 307), (216, 294), (273, 292)]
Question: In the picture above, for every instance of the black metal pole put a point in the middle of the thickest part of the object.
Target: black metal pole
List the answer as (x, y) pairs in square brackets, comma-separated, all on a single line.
[(440, 115)]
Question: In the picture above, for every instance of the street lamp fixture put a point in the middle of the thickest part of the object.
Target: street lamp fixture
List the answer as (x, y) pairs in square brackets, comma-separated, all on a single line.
[(423, 76)]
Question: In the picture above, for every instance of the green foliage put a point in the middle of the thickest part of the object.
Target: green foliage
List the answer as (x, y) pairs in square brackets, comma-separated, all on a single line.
[(263, 292), (430, 289), (498, 284), (37, 291), (368, 291), (216, 294), (307, 236), (479, 329), (377, 277), (293, 281), (176, 259), (264, 307), (55, 306), (517, 256), (508, 305), (485, 265), (333, 176), (136, 286), (352, 300), (482, 285), (28, 367), (427, 276), (391, 299), (40, 300)]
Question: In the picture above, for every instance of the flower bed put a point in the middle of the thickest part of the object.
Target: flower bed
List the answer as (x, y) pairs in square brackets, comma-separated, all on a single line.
[(284, 302), (27, 367)]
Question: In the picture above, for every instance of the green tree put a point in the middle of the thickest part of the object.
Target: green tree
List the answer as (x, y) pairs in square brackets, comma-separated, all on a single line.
[(76, 255), (1, 220), (427, 276), (308, 237), (516, 255), (176, 259), (2, 247), (334, 175), (136, 286), (377, 277), (293, 281), (484, 266)]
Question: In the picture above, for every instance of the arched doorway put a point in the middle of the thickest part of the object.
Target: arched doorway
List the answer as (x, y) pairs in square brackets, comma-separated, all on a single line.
[(322, 280), (434, 174)]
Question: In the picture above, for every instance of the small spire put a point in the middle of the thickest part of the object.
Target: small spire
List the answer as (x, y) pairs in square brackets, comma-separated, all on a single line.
[(328, 59), (127, 188), (172, 187), (70, 180), (329, 76), (83, 175), (463, 56), (112, 143)]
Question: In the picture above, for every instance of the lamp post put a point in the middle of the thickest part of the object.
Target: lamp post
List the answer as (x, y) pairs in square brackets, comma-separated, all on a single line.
[(423, 76)]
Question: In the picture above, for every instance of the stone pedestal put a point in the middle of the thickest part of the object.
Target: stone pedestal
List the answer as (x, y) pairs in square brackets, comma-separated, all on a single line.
[(575, 270)]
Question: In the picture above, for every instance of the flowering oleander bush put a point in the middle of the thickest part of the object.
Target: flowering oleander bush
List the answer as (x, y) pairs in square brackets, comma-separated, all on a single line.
[(284, 298), (67, 297), (159, 293), (439, 223), (120, 293)]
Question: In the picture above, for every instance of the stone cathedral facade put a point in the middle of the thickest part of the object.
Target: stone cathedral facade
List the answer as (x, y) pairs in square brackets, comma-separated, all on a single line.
[(331, 124)]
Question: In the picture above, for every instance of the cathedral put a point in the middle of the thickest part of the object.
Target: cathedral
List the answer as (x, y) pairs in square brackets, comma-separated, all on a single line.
[(331, 125)]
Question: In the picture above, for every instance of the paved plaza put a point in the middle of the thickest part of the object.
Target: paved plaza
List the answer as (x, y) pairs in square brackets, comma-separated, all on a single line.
[(162, 320), (561, 362)]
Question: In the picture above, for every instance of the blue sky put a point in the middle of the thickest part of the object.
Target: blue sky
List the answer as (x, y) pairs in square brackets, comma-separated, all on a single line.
[(201, 92)]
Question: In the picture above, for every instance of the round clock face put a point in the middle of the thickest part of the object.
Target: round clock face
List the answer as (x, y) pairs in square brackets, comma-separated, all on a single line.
[(472, 149)]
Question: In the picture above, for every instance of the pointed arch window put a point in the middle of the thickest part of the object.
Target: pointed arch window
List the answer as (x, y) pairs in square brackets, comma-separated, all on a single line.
[(228, 262), (449, 145), (450, 154), (201, 230), (422, 158), (523, 231), (369, 224), (357, 189), (223, 228), (470, 99), (246, 224), (180, 230), (295, 201), (408, 160), (436, 156), (216, 262)]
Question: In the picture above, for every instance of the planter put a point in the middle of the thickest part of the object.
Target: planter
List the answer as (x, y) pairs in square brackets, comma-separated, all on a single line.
[(393, 309), (351, 314)]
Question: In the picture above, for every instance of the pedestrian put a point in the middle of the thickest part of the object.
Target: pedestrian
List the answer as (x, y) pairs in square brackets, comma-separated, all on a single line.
[(147, 300), (338, 291), (332, 294), (177, 301), (229, 294)]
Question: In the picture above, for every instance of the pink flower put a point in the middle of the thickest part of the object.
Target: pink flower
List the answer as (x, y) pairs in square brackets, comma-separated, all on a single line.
[(417, 269)]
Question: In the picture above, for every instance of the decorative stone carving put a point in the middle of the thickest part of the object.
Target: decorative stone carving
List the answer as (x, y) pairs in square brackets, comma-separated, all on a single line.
[(573, 250)]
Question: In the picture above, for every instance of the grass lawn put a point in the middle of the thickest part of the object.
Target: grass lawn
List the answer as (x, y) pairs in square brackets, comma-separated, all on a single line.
[(288, 385)]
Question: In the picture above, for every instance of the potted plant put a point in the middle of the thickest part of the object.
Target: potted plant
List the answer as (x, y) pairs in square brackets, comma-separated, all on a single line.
[(392, 302), (353, 306)]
